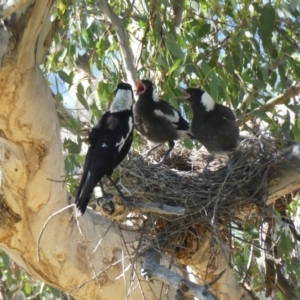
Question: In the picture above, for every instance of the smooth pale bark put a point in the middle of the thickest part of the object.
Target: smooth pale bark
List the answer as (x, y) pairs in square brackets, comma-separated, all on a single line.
[(31, 156)]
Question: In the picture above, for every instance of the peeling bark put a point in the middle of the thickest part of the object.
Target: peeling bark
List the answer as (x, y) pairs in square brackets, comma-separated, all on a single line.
[(31, 157)]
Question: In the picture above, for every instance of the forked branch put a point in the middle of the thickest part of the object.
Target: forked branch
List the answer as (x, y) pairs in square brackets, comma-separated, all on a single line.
[(292, 92), (123, 41)]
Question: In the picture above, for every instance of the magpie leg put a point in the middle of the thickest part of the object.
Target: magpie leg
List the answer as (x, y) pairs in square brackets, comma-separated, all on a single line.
[(171, 147), (104, 194), (102, 189), (210, 159), (229, 166), (147, 153), (117, 188)]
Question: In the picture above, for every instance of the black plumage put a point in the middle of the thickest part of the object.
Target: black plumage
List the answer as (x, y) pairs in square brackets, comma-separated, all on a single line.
[(213, 124), (156, 119), (110, 141)]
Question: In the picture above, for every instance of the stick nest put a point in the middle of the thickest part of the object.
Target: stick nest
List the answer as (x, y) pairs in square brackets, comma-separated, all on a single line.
[(231, 188)]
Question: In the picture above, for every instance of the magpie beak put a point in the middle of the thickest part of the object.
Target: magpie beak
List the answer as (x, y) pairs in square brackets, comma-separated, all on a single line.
[(186, 94), (140, 89)]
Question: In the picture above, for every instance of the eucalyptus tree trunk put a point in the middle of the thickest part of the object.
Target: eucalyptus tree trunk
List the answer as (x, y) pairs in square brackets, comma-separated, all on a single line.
[(32, 170), (74, 255)]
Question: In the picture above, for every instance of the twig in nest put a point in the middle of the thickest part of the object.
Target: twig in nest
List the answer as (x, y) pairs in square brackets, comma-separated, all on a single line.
[(153, 270), (216, 279), (44, 227)]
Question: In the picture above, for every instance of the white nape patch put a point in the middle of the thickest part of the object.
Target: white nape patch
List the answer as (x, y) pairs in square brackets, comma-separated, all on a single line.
[(104, 145), (122, 101), (172, 118), (121, 143), (207, 102), (155, 97)]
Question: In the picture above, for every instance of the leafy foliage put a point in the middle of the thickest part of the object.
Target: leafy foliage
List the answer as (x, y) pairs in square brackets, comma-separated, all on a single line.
[(16, 284)]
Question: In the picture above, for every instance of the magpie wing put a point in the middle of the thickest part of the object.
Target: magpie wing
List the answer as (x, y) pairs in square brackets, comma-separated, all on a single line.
[(166, 110)]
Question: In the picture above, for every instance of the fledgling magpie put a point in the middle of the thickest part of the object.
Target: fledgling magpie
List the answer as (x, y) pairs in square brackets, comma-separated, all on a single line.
[(157, 120), (213, 124), (110, 141)]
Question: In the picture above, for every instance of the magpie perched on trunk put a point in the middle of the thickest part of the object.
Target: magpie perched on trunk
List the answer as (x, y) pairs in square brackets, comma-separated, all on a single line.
[(110, 141), (157, 120), (213, 124)]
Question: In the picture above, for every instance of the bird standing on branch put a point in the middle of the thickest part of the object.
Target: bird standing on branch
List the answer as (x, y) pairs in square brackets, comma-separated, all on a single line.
[(110, 141), (157, 120), (213, 124)]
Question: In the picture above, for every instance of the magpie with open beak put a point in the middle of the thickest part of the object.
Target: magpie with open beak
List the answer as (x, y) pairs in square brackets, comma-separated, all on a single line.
[(157, 120), (213, 125), (110, 141)]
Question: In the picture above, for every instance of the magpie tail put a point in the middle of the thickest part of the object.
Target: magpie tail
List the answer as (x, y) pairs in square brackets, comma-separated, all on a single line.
[(84, 193)]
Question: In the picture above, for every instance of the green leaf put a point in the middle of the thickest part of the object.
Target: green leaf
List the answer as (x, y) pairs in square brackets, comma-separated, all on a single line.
[(280, 296), (83, 101), (296, 133), (294, 4), (282, 70), (229, 64), (175, 66), (204, 30), (64, 76), (55, 292), (286, 245), (188, 144), (27, 289), (258, 83), (174, 48), (71, 146), (214, 84), (206, 69), (163, 62), (267, 18), (6, 260), (80, 88), (260, 114)]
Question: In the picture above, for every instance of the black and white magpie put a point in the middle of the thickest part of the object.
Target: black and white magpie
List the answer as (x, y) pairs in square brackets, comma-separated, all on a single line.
[(110, 141), (213, 125), (157, 120)]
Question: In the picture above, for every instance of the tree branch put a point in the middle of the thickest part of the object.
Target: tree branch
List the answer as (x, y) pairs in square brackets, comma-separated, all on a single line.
[(178, 7), (27, 46), (287, 38), (153, 270), (123, 40), (45, 39), (9, 7), (288, 178), (292, 92)]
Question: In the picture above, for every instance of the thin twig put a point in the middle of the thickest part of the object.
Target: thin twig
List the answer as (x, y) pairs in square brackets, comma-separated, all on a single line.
[(44, 227)]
